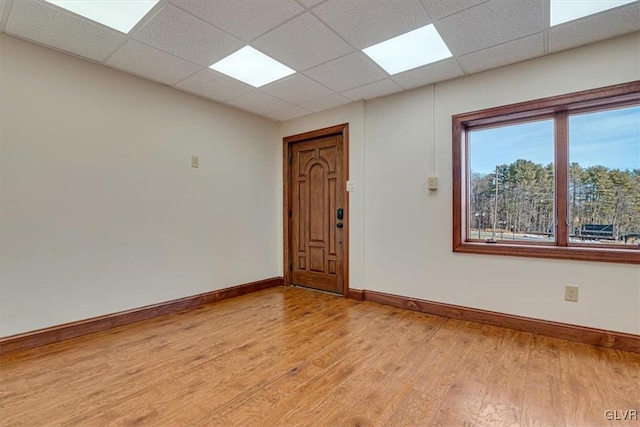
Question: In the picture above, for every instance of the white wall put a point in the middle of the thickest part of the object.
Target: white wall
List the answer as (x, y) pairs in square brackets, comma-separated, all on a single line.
[(407, 230), (101, 212), (100, 209)]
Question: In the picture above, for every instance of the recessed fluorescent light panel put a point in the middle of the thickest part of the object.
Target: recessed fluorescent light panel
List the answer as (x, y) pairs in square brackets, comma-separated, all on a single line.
[(252, 67), (121, 15), (410, 50), (568, 10)]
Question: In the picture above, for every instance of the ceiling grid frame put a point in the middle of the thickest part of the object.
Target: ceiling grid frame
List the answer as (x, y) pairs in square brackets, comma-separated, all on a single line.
[(523, 36)]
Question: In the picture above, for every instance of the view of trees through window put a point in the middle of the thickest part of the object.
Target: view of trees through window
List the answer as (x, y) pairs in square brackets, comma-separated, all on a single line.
[(511, 180), (604, 176)]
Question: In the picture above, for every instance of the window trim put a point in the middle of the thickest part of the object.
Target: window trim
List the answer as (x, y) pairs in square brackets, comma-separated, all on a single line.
[(559, 107)]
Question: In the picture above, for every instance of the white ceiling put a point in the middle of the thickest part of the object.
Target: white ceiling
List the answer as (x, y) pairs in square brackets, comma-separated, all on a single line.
[(320, 39)]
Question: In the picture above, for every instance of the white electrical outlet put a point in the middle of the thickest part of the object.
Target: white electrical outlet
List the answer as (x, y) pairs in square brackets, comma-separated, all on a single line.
[(571, 293)]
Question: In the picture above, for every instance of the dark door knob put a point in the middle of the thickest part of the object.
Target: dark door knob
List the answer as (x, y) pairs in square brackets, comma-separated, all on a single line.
[(339, 225)]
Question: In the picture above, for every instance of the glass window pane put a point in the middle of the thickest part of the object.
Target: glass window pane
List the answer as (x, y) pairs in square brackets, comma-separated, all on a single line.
[(511, 182), (604, 177)]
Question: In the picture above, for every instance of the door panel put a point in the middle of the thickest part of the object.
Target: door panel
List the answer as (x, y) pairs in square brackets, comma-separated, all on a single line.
[(317, 242)]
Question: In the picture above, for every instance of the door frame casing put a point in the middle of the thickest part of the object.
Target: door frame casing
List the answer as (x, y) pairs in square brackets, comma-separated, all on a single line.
[(288, 142)]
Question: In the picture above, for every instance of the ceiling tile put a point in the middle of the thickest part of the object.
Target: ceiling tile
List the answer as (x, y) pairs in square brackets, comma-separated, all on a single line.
[(297, 89), (145, 61), (326, 103), (438, 9), (605, 25), (490, 24), (258, 102), (439, 71), (288, 114), (184, 37), (213, 85), (182, 34), (373, 90), (245, 19), (507, 53), (365, 23), (51, 26), (347, 72), (302, 43), (3, 3), (309, 3)]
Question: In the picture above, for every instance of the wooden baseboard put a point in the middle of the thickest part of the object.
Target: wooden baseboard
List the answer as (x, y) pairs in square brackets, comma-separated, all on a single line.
[(356, 294), (582, 334), (67, 331)]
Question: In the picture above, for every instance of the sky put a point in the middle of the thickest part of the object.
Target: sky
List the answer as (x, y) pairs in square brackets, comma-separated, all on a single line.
[(608, 138)]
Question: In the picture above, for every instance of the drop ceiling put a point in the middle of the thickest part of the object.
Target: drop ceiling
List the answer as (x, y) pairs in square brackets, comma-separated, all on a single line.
[(322, 40)]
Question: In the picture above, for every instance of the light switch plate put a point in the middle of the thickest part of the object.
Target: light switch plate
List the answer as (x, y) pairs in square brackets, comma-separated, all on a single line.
[(195, 161), (432, 183), (351, 186)]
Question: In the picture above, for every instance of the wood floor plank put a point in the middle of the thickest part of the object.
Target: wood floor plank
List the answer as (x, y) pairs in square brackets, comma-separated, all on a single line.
[(63, 354), (622, 389), (252, 372), (461, 403), (502, 403), (543, 404), (371, 390), (447, 348), (133, 374), (287, 356), (382, 398), (296, 370), (247, 355), (582, 390), (336, 367)]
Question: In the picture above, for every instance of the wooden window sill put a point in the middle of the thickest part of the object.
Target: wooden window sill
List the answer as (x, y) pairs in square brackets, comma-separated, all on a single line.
[(576, 253)]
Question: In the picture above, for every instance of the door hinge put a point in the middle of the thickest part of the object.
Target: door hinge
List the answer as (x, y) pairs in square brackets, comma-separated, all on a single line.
[(290, 266), (290, 214)]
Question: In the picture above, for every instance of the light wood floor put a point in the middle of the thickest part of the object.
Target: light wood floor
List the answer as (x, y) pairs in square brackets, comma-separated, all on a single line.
[(288, 356)]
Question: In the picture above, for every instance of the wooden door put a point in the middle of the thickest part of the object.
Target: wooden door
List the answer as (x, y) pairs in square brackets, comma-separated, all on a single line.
[(317, 213)]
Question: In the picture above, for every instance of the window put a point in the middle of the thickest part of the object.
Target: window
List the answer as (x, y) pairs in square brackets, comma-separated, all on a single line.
[(552, 178)]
